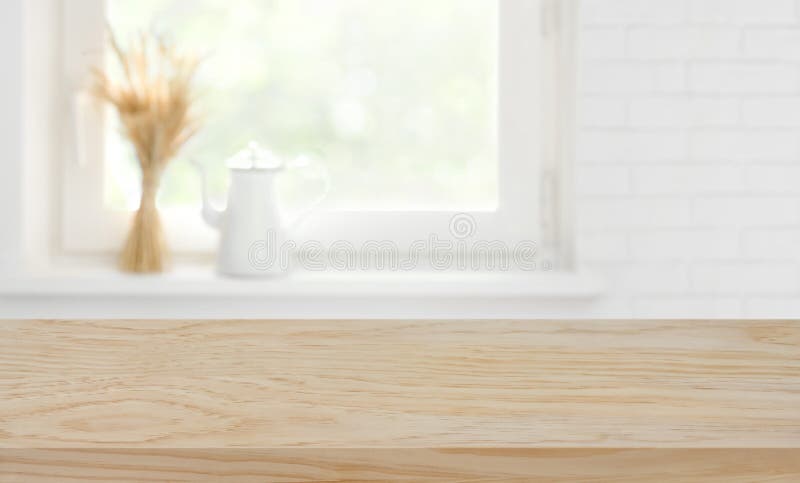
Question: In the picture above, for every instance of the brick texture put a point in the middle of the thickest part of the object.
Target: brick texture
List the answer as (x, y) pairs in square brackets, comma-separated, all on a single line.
[(688, 170)]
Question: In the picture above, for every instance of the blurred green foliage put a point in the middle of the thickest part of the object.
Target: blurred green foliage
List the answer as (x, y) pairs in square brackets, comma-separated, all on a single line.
[(396, 97)]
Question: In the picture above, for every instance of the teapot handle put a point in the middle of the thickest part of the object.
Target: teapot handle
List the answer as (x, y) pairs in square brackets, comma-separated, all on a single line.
[(302, 163)]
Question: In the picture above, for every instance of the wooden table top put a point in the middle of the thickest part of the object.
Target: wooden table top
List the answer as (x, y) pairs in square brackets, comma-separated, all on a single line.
[(399, 400)]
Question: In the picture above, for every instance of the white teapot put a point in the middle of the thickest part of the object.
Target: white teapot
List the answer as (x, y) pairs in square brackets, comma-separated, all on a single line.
[(251, 227)]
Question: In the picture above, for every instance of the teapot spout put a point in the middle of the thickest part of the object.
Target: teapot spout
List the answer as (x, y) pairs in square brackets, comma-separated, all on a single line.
[(211, 215)]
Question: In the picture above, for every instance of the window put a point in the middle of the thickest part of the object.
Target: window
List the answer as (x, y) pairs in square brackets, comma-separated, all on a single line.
[(418, 110), (395, 98)]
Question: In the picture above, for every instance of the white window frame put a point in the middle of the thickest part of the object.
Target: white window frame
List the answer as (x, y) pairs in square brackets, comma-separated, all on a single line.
[(535, 137)]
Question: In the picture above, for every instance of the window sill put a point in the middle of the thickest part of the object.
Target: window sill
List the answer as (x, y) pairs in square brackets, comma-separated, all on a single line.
[(203, 282), (198, 292)]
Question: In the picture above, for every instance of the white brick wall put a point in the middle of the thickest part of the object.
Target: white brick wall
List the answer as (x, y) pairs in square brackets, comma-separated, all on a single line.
[(689, 157)]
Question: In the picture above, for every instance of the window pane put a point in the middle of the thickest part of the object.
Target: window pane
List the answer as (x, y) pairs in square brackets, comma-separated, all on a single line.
[(395, 97)]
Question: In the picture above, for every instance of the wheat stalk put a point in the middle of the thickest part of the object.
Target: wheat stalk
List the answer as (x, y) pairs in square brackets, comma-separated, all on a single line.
[(154, 100)]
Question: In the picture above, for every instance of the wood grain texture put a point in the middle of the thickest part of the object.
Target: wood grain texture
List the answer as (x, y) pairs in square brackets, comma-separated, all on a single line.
[(294, 400), (260, 384), (402, 465)]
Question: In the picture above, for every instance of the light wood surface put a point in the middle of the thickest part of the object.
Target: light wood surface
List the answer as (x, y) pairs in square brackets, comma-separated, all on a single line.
[(402, 465), (309, 393)]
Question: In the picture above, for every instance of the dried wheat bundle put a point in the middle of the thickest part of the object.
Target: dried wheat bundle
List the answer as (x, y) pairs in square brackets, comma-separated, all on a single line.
[(154, 99)]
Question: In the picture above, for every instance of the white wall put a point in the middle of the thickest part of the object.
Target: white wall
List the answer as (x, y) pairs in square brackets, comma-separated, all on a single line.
[(11, 95), (689, 159)]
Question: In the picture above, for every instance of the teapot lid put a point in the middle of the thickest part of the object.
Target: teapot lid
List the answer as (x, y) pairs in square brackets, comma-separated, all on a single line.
[(255, 157)]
